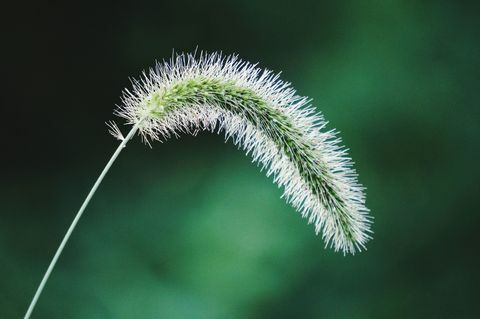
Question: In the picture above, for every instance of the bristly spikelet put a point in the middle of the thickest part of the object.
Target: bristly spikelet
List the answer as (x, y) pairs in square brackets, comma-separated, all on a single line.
[(264, 116)]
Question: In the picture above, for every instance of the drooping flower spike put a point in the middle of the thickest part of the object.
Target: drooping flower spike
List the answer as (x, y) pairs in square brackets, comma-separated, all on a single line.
[(264, 116), (261, 114)]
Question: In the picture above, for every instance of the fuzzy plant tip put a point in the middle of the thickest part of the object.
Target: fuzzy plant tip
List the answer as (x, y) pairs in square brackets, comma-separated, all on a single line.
[(264, 116)]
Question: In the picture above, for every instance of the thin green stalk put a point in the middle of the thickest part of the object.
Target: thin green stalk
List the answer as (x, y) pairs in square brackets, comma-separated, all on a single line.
[(77, 218)]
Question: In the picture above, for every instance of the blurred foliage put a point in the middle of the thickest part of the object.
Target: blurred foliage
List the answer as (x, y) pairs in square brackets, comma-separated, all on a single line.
[(190, 229)]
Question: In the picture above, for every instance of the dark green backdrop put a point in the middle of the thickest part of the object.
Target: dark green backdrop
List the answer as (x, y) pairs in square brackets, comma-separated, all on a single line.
[(190, 228)]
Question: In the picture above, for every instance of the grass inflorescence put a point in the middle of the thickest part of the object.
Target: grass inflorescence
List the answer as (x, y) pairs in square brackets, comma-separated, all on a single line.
[(264, 116)]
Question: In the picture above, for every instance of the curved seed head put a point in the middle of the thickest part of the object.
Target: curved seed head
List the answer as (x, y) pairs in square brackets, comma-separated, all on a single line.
[(264, 116)]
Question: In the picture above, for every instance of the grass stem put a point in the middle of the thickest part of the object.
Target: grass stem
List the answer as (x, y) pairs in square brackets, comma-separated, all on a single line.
[(77, 218)]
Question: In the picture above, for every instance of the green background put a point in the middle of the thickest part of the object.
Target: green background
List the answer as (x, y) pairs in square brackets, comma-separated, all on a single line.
[(190, 228)]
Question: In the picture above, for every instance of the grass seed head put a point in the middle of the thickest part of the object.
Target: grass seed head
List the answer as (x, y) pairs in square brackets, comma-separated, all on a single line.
[(264, 116)]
